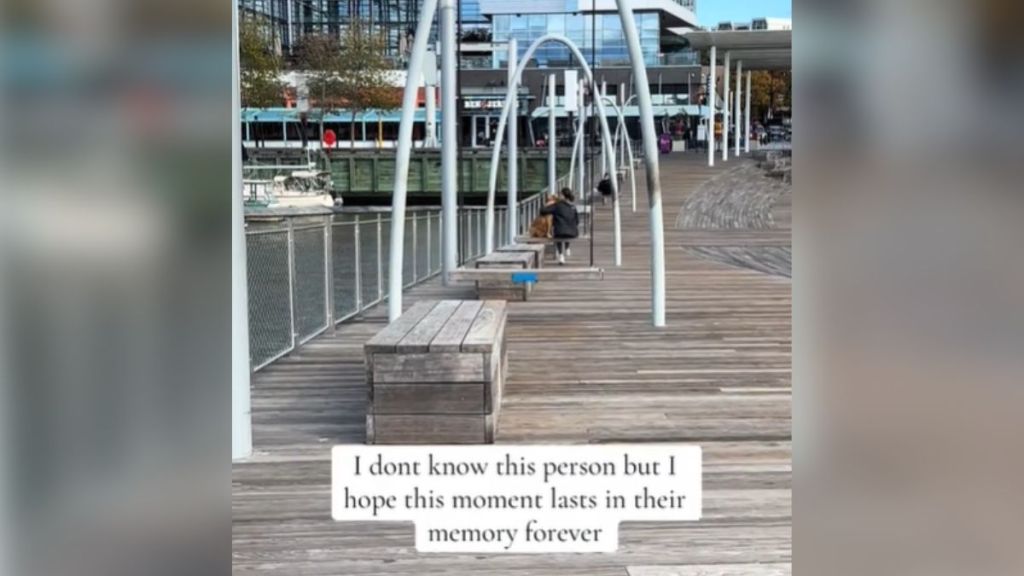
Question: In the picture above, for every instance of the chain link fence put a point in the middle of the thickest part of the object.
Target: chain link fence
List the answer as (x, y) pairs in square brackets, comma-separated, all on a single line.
[(308, 272)]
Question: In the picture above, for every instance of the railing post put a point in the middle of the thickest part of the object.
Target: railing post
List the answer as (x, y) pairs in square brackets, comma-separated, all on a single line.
[(291, 281), (380, 257), (329, 268), (358, 264), (415, 248), (429, 253)]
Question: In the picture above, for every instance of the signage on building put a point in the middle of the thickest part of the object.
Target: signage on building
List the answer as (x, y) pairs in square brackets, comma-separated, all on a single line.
[(484, 104)]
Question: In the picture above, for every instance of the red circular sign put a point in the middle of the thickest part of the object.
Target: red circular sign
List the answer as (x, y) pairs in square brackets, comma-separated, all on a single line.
[(330, 138)]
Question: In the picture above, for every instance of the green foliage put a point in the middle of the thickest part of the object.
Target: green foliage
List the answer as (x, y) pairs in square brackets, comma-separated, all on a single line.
[(350, 71), (365, 81), (319, 56), (770, 90), (260, 66)]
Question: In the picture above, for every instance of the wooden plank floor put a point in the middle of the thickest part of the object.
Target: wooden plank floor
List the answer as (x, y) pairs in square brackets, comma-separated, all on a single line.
[(585, 366)]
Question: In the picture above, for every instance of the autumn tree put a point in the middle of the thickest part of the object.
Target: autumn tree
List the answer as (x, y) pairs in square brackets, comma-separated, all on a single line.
[(319, 55), (349, 71), (365, 73), (260, 65), (770, 90)]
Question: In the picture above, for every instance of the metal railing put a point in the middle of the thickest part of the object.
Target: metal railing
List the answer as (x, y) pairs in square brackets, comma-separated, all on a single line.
[(311, 270)]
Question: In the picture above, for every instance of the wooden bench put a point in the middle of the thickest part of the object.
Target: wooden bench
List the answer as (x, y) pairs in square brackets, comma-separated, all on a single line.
[(502, 287), (436, 374), (536, 248), (532, 275)]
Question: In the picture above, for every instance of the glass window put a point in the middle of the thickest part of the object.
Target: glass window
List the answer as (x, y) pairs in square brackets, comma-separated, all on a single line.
[(556, 24)]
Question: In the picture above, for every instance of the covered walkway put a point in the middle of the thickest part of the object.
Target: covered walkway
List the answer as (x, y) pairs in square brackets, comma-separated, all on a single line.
[(585, 366)]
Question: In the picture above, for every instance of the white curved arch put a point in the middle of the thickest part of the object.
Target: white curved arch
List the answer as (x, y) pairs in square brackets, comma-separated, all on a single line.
[(513, 87), (629, 145), (403, 155), (647, 130)]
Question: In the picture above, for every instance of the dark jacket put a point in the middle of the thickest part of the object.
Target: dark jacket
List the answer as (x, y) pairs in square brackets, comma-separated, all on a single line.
[(605, 187), (565, 220)]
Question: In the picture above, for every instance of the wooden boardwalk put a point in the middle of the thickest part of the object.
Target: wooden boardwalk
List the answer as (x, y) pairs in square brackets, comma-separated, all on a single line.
[(585, 366)]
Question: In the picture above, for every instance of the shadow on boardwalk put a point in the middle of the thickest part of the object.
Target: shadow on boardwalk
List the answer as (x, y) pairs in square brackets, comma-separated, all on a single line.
[(585, 366)]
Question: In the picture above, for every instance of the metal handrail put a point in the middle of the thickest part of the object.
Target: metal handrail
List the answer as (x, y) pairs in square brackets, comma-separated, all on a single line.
[(295, 296)]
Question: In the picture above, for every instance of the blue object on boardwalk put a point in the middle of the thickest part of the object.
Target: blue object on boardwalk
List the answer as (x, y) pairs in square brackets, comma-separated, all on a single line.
[(524, 277)]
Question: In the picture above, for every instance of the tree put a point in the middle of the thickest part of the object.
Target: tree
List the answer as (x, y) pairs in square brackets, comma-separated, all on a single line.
[(320, 57), (365, 72), (350, 71), (260, 65), (769, 91)]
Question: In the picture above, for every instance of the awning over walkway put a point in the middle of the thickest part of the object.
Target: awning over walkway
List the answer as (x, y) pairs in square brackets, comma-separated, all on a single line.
[(292, 115), (633, 111), (758, 49)]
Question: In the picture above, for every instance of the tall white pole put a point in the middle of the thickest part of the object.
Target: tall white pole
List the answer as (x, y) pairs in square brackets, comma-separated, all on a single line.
[(404, 152), (625, 131), (726, 105), (552, 139), (604, 157), (512, 214), (711, 105), (746, 115), (738, 135), (449, 138), (582, 135), (609, 148), (650, 137), (241, 412), (291, 43), (430, 138)]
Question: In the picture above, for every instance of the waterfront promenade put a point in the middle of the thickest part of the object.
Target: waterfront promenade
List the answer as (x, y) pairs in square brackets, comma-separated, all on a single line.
[(585, 366)]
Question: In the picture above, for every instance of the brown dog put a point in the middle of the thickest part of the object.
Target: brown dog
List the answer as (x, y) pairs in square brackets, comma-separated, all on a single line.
[(541, 227)]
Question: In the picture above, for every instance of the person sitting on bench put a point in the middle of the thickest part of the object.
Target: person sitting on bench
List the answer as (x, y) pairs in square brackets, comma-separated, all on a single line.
[(565, 223)]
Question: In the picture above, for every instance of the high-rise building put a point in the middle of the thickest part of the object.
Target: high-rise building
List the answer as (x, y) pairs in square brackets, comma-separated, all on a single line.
[(290, 19)]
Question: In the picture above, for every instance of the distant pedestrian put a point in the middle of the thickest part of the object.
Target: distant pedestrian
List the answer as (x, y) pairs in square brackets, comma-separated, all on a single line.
[(604, 187)]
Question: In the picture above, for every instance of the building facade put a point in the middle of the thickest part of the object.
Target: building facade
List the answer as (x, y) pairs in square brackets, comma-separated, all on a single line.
[(289, 20), (595, 27)]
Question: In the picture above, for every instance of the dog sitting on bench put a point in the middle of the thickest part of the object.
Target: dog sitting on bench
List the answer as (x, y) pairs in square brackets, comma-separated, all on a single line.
[(542, 226)]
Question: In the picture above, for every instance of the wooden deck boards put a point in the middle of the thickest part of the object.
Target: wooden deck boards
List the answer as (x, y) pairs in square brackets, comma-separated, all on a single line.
[(584, 351)]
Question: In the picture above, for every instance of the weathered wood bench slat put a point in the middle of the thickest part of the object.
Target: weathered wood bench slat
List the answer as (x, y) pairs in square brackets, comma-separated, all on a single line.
[(387, 339), (490, 322), (429, 367), (418, 339), (536, 249), (506, 259), (450, 337), (446, 398), (431, 429)]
